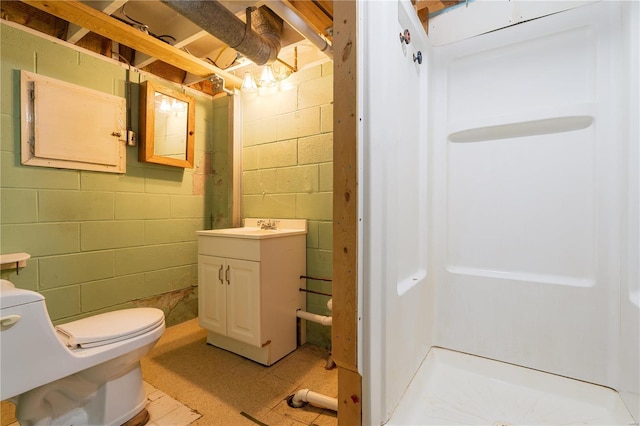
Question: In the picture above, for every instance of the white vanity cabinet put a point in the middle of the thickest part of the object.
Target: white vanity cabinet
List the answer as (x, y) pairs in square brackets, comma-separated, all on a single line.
[(229, 300), (248, 288)]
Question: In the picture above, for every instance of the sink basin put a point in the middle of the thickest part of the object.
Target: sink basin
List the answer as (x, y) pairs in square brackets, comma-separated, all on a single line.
[(250, 232), (284, 227)]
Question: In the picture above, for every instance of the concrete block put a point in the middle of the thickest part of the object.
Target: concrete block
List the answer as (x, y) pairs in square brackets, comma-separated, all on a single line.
[(96, 181), (278, 154), (297, 179), (62, 302), (167, 280), (312, 234), (250, 158), (150, 258), (315, 92), (268, 205), (104, 293), (326, 177), (184, 206), (172, 230), (18, 205), (41, 239), (267, 105), (325, 236), (65, 206), (142, 206), (164, 180), (60, 271), (101, 235), (259, 181), (326, 118), (259, 132), (318, 206), (298, 124), (315, 149), (15, 175)]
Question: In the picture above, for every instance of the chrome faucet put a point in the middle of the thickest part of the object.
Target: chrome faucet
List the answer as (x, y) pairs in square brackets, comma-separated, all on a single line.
[(264, 224)]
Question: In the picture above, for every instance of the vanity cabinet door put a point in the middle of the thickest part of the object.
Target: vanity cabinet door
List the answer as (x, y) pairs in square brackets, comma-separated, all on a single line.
[(243, 301), (212, 290)]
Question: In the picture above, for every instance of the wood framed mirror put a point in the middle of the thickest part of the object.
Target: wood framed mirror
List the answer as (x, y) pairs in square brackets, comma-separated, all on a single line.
[(167, 126)]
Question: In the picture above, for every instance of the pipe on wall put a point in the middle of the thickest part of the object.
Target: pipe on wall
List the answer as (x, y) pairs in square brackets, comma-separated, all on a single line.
[(260, 46), (320, 319)]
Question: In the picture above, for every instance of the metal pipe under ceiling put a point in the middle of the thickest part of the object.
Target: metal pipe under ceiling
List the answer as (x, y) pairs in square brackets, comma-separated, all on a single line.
[(260, 46)]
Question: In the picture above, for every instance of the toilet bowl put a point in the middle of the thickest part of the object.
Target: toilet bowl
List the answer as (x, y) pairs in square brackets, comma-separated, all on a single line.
[(85, 372)]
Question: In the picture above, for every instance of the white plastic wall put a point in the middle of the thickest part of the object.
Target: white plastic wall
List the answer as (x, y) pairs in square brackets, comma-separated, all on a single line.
[(630, 288), (526, 156), (528, 150), (398, 303)]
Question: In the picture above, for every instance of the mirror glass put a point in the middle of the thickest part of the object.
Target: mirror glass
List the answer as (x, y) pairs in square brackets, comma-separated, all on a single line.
[(166, 126)]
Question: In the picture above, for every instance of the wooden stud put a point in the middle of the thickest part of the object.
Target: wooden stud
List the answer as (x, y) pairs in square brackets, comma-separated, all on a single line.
[(345, 214), (315, 16), (100, 23)]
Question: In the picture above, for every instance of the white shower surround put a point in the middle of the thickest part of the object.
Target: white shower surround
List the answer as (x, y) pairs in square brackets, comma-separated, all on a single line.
[(499, 192)]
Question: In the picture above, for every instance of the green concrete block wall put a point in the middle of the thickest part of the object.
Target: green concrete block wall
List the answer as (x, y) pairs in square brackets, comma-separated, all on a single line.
[(287, 159), (102, 241)]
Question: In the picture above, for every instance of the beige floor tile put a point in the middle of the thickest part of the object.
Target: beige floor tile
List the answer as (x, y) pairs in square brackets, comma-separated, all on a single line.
[(161, 407), (327, 418), (181, 416), (274, 418), (306, 414)]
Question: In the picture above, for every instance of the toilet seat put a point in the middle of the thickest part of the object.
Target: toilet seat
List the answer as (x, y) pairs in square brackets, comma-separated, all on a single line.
[(110, 327)]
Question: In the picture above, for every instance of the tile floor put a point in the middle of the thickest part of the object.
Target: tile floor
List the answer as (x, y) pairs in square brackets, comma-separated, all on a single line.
[(166, 411), (191, 383), (226, 389)]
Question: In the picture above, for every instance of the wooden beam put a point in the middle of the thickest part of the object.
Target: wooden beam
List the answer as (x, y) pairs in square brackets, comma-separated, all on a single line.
[(345, 213), (85, 16), (316, 17), (76, 32), (23, 14)]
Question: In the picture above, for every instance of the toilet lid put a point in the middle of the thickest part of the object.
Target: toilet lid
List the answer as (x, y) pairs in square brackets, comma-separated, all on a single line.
[(110, 327)]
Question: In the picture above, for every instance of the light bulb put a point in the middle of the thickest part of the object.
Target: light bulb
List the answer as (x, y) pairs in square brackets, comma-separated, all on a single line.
[(266, 78), (248, 83)]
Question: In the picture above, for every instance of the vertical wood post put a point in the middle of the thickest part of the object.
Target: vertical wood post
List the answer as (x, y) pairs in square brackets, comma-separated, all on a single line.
[(345, 213)]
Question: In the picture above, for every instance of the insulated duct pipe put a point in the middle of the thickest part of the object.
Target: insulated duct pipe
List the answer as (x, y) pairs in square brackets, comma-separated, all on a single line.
[(304, 396), (261, 47)]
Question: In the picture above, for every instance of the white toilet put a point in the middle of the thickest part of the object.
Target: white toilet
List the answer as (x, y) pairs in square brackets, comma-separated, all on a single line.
[(85, 372)]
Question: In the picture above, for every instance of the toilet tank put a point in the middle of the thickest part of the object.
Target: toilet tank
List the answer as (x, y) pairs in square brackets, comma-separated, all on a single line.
[(29, 348), (10, 296)]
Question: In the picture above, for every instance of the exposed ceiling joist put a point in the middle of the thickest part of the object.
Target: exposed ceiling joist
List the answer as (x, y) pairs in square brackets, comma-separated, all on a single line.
[(76, 32), (103, 24)]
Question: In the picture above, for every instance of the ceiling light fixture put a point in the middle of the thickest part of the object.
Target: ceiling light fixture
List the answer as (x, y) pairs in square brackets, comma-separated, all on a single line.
[(267, 79), (248, 83)]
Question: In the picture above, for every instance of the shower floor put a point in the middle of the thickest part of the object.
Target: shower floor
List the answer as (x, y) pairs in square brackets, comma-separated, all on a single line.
[(452, 388)]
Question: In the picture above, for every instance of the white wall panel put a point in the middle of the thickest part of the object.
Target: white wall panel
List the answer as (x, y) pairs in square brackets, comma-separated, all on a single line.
[(528, 153)]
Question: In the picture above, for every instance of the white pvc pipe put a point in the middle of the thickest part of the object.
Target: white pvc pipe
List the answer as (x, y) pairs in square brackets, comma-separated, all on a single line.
[(285, 11), (320, 319), (316, 399)]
